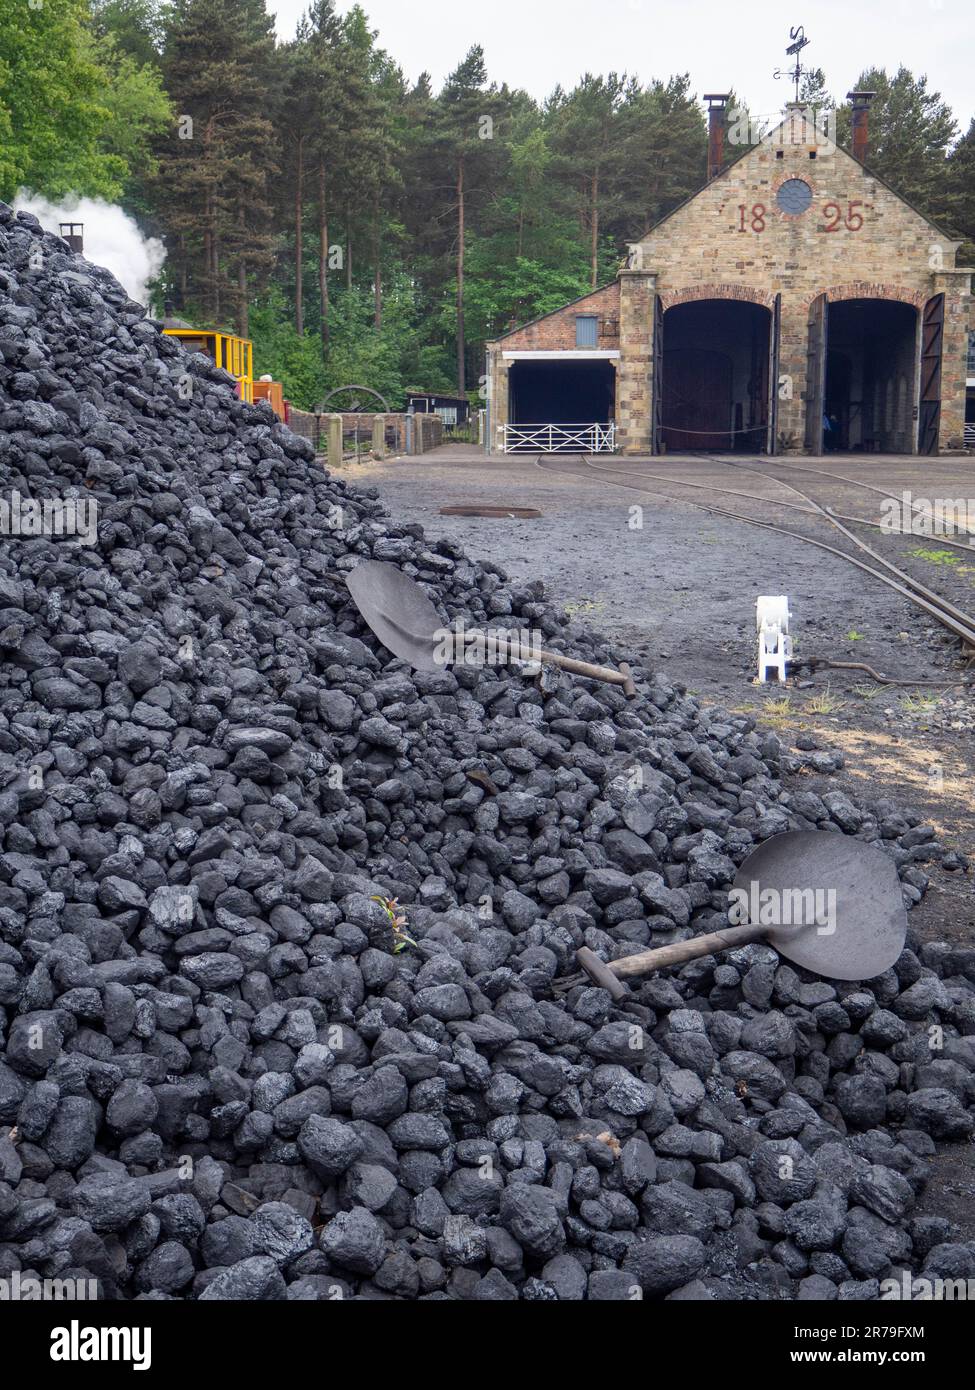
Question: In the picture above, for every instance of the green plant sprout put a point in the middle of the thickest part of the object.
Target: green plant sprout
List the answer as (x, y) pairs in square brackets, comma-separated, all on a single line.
[(397, 921)]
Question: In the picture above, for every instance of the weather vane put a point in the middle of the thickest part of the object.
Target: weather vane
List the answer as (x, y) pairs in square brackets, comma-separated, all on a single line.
[(799, 41)]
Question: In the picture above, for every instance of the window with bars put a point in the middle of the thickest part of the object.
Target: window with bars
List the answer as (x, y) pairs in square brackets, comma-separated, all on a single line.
[(587, 331)]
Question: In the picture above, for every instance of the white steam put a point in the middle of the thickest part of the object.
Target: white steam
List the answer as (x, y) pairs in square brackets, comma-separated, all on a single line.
[(111, 237)]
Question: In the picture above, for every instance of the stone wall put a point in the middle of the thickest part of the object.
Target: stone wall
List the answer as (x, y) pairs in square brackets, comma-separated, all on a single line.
[(856, 239), (879, 248), (427, 431), (634, 374)]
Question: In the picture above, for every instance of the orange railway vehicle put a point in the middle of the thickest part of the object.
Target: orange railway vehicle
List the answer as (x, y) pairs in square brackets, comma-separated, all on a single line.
[(265, 389)]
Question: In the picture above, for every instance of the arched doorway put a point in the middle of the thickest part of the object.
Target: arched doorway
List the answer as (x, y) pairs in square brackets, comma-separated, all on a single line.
[(861, 388), (716, 381), (870, 348)]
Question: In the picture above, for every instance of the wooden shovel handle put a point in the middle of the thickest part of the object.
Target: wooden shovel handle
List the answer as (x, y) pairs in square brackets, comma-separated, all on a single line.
[(515, 649), (621, 677), (678, 953), (682, 951)]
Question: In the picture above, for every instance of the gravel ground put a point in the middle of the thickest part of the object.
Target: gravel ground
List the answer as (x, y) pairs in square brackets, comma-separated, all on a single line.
[(682, 591), (683, 587)]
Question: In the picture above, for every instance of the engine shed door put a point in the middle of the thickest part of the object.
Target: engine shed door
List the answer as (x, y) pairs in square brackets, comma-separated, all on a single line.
[(932, 340), (658, 376), (773, 376), (816, 373)]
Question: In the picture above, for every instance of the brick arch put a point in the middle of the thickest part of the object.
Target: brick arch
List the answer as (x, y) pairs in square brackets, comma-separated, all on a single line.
[(870, 289), (669, 299)]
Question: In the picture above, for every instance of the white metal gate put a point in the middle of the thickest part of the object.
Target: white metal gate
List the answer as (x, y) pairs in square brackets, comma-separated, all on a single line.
[(559, 439)]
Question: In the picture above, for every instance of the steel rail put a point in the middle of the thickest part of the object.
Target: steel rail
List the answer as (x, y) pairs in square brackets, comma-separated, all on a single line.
[(777, 462), (964, 630), (830, 516), (773, 502)]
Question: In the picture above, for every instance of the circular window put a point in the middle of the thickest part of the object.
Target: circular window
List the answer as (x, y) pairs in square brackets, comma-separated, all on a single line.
[(794, 196)]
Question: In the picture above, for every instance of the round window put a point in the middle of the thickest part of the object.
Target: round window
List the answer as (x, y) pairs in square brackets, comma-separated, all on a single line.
[(794, 196)]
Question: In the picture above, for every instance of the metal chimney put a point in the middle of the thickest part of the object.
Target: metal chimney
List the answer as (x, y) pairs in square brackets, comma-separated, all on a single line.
[(717, 105), (860, 104), (74, 234)]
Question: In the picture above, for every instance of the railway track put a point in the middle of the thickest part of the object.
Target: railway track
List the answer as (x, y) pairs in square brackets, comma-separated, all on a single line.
[(866, 558)]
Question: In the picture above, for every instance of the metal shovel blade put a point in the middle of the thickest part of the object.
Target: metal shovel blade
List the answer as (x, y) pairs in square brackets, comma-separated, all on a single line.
[(398, 611), (405, 621), (835, 905)]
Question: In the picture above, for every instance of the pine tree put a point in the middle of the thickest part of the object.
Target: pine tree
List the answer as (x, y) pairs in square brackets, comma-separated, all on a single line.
[(295, 119), (960, 213), (585, 134), (911, 130), (345, 143), (385, 184), (463, 138), (214, 182), (664, 146)]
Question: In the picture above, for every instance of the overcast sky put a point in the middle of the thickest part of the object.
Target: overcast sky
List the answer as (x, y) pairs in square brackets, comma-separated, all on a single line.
[(537, 43)]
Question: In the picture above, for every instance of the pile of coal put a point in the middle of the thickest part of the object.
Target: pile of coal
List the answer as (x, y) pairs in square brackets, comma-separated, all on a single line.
[(225, 1073)]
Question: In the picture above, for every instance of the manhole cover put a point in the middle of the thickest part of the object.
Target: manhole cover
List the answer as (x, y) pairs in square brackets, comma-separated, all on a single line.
[(513, 513)]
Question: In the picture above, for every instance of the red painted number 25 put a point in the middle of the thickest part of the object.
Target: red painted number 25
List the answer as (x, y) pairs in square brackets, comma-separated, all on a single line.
[(852, 222)]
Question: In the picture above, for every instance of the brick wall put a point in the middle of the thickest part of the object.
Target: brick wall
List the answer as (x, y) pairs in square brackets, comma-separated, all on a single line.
[(558, 330), (554, 332), (428, 430)]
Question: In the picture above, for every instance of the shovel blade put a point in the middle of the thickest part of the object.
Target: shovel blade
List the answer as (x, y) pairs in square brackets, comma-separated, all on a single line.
[(399, 613), (831, 903)]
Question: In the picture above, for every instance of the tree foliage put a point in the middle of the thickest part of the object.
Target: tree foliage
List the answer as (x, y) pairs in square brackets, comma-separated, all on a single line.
[(363, 228), (52, 112)]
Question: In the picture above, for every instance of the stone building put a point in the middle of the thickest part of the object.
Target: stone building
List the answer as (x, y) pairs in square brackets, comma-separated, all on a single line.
[(794, 304)]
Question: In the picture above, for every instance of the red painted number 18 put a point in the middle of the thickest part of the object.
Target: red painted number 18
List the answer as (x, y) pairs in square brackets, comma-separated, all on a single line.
[(757, 217)]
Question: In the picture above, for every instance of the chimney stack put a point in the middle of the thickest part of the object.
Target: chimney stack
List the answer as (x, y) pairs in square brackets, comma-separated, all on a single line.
[(860, 104), (717, 104), (74, 234)]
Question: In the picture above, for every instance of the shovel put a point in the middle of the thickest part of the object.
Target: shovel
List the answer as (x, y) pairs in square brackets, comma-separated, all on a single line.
[(828, 902), (405, 621)]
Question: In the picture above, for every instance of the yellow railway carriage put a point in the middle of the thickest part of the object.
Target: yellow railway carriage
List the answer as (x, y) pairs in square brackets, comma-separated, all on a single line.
[(235, 355)]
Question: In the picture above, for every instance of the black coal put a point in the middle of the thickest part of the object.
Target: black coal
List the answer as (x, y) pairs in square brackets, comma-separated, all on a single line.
[(220, 1078)]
